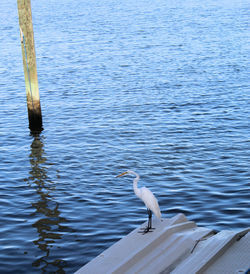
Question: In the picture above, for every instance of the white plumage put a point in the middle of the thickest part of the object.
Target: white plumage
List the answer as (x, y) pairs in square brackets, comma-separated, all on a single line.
[(147, 197)]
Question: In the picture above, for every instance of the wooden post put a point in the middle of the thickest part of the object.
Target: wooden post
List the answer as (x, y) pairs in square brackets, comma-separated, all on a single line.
[(29, 65)]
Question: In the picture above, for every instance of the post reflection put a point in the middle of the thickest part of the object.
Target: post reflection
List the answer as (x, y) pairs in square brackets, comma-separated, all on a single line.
[(47, 215)]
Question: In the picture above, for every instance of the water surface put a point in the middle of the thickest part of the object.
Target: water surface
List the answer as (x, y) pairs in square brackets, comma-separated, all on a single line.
[(160, 87)]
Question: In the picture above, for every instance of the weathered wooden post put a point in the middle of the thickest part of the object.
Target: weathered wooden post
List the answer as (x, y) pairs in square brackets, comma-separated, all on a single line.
[(29, 65)]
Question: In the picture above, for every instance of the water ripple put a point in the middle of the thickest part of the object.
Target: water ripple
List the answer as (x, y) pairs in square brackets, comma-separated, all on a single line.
[(149, 86)]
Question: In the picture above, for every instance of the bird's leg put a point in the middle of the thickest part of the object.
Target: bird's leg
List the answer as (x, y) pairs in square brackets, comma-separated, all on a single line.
[(149, 219), (148, 228)]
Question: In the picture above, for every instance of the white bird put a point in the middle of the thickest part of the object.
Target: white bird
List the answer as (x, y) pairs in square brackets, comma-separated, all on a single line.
[(147, 197)]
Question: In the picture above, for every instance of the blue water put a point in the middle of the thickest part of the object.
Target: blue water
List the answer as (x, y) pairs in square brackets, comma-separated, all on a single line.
[(159, 87)]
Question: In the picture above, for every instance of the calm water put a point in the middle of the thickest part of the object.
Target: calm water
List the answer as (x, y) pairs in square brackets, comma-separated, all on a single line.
[(160, 87)]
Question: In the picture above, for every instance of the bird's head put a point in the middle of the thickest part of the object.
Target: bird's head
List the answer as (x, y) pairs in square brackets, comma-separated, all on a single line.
[(128, 172), (122, 174)]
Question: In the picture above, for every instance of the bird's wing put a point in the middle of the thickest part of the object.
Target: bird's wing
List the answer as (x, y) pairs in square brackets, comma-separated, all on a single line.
[(150, 201)]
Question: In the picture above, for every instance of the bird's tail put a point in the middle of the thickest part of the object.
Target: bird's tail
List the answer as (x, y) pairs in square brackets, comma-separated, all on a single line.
[(157, 212)]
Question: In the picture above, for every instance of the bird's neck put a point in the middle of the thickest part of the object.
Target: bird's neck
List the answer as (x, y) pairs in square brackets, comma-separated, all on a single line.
[(135, 185)]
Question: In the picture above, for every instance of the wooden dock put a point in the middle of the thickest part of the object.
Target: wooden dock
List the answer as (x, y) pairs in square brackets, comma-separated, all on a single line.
[(176, 246)]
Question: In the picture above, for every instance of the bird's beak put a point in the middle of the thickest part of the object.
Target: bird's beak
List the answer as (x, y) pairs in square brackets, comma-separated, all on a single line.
[(122, 174)]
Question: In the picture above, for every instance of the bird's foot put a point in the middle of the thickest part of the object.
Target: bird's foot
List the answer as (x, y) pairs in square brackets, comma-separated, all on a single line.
[(146, 230)]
